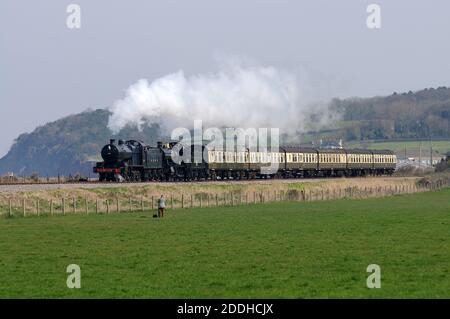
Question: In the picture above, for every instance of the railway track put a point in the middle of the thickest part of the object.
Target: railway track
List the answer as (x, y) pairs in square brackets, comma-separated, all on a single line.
[(46, 183)]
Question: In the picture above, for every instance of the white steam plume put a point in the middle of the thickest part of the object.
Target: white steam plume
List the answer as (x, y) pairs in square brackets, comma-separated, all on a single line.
[(237, 95)]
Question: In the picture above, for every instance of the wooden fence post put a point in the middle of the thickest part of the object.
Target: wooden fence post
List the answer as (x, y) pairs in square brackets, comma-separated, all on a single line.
[(51, 207), (217, 200), (10, 207), (96, 206), (130, 206), (171, 201), (192, 201), (107, 206), (23, 208), (153, 200), (37, 207), (63, 203), (142, 204), (86, 205), (201, 204), (117, 204)]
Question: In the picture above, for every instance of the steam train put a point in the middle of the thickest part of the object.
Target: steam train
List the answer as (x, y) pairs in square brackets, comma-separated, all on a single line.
[(136, 161)]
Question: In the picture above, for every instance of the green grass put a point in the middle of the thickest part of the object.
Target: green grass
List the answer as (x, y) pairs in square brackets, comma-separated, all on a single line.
[(289, 250)]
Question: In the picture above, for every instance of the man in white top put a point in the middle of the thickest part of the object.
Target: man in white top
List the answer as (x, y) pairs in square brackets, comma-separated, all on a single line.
[(161, 206)]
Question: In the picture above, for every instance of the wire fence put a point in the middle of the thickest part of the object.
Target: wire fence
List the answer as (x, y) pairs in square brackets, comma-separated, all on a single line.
[(26, 207)]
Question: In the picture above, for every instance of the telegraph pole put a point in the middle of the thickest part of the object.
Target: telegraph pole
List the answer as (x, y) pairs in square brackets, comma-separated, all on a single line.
[(431, 153), (420, 154)]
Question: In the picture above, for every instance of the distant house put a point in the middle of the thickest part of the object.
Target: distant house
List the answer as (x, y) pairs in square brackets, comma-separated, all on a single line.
[(331, 144)]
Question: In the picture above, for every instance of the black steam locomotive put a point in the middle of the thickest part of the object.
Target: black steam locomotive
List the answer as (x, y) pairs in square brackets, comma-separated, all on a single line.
[(136, 161)]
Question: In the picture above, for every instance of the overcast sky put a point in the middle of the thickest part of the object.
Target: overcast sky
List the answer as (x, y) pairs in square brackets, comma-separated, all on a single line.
[(48, 71)]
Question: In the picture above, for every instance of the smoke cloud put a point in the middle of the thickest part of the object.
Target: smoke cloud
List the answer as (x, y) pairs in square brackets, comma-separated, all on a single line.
[(238, 94)]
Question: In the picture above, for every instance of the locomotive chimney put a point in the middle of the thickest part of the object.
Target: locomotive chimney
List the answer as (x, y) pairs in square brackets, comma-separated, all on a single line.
[(121, 142), (159, 144), (111, 141)]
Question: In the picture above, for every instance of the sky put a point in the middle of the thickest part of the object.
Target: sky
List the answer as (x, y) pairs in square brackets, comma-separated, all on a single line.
[(48, 71)]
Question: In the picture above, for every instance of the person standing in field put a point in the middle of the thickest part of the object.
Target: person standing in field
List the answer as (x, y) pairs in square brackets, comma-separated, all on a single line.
[(161, 206)]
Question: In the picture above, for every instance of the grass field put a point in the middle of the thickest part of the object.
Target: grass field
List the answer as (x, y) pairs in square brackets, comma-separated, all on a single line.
[(289, 250)]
